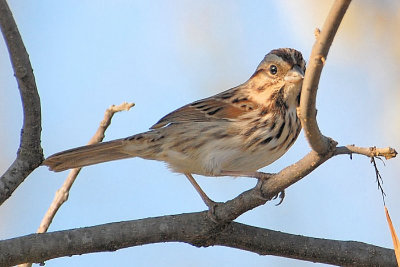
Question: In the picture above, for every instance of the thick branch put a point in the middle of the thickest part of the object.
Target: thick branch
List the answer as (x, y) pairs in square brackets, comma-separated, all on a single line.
[(319, 53), (30, 153), (195, 229), (268, 242)]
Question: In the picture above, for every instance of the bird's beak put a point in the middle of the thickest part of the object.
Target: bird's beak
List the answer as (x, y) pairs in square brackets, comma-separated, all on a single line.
[(294, 75)]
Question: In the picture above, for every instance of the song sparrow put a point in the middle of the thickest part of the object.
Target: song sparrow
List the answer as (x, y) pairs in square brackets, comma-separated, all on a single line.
[(233, 133)]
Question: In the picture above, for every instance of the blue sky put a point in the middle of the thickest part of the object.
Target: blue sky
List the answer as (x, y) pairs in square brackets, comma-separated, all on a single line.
[(161, 55)]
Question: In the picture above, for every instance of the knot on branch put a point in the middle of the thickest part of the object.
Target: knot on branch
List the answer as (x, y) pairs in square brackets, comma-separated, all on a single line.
[(327, 148), (21, 72), (331, 145), (212, 232), (317, 32)]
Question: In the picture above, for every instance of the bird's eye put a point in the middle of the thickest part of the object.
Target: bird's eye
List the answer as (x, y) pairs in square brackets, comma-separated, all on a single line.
[(273, 69)]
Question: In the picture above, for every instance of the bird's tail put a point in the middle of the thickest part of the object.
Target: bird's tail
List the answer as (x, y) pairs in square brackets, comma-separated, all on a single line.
[(88, 155)]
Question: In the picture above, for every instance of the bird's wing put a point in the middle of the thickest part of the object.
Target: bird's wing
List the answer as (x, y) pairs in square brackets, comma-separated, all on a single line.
[(223, 106)]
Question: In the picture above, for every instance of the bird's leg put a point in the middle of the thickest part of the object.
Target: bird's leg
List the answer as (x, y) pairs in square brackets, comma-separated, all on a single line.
[(261, 176), (210, 204), (258, 175)]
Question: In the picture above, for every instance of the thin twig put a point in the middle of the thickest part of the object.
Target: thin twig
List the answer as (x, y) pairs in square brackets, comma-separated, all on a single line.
[(62, 193), (386, 152), (373, 153), (379, 180)]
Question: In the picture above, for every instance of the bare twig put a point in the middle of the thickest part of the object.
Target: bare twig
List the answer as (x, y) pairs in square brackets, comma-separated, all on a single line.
[(30, 153), (62, 193), (99, 135), (372, 152), (319, 53), (379, 180), (387, 152)]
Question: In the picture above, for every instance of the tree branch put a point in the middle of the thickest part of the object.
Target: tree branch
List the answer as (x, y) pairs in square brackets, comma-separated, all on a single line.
[(307, 111), (30, 154), (195, 229), (200, 229), (387, 152), (276, 183), (323, 148), (62, 193), (269, 242)]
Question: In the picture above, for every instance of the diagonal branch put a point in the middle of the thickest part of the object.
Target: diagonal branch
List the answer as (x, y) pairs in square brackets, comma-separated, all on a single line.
[(323, 148), (62, 193), (276, 183), (195, 229), (319, 53), (30, 153)]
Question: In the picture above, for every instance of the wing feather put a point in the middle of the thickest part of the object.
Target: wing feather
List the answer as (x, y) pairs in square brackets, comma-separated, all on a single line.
[(218, 107)]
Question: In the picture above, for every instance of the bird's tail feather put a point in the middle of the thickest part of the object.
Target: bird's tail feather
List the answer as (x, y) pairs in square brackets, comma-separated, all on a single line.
[(87, 155)]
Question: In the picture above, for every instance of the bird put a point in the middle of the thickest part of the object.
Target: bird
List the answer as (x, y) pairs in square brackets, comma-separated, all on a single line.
[(233, 133)]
